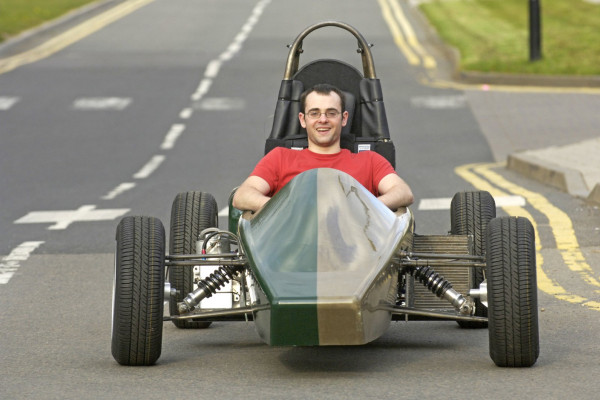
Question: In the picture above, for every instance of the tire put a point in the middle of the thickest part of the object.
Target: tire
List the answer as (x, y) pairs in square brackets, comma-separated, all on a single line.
[(191, 213), (138, 291), (512, 292), (470, 214)]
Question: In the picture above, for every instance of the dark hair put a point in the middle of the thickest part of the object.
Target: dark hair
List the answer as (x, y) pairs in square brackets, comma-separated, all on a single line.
[(325, 89)]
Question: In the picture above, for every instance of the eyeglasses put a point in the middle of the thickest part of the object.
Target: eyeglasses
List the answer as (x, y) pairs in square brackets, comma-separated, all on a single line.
[(329, 114)]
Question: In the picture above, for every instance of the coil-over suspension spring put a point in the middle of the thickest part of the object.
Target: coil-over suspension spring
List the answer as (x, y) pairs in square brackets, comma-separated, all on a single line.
[(442, 288), (207, 287), (431, 280)]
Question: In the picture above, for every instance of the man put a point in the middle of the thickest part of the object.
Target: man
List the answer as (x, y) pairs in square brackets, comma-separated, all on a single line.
[(323, 116)]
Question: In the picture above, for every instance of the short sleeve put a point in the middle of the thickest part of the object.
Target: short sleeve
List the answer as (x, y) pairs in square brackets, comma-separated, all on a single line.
[(381, 168), (268, 167)]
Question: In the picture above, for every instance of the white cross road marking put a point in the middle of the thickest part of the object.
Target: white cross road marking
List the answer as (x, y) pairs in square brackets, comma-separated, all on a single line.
[(443, 203), (222, 104), (11, 263), (7, 102), (150, 167), (102, 103), (62, 219), (172, 136), (439, 102), (123, 187)]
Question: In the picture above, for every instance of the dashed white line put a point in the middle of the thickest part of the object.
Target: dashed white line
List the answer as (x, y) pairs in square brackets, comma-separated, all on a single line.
[(222, 104), (172, 136), (439, 102), (150, 167), (101, 103), (7, 102), (214, 66), (11, 263), (123, 187), (443, 203), (186, 113), (212, 69), (203, 88)]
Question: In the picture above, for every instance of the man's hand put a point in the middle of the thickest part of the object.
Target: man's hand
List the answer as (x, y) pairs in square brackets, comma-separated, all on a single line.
[(394, 192), (252, 194)]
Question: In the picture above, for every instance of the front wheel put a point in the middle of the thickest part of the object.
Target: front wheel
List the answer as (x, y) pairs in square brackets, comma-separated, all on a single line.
[(138, 291), (191, 213), (512, 292), (470, 214)]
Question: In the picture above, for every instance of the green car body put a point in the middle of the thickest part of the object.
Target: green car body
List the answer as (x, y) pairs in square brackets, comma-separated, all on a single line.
[(322, 251)]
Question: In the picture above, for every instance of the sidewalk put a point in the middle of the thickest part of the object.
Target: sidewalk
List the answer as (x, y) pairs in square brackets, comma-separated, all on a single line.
[(551, 137)]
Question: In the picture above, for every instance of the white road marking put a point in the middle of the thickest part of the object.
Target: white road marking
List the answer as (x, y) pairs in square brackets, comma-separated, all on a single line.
[(172, 136), (123, 187), (224, 212), (222, 104), (212, 69), (101, 103), (11, 263), (443, 203), (439, 102), (214, 66), (186, 113), (203, 88), (62, 219), (7, 102), (150, 167)]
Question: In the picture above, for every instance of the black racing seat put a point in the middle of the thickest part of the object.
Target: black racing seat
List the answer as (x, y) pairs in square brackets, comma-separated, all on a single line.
[(367, 127)]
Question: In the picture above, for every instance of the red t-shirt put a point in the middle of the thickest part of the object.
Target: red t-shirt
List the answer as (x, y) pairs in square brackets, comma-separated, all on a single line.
[(280, 165)]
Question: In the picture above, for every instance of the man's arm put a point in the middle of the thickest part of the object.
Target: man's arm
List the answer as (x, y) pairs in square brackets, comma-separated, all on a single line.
[(252, 194), (394, 192)]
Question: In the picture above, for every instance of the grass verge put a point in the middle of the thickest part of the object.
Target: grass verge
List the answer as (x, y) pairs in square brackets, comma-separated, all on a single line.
[(493, 35), (19, 15)]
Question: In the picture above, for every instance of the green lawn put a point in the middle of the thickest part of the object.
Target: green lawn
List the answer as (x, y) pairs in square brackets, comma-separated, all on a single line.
[(19, 15), (493, 35)]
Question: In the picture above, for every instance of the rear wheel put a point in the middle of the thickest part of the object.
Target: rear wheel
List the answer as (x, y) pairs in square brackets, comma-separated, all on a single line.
[(470, 214), (512, 292), (191, 213), (138, 291)]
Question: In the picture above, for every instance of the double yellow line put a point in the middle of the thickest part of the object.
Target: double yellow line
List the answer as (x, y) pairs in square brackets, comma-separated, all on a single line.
[(481, 176), (71, 36), (416, 55), (404, 35)]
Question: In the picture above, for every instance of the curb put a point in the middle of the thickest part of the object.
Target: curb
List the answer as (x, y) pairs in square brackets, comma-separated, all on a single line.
[(594, 196), (554, 81), (565, 179)]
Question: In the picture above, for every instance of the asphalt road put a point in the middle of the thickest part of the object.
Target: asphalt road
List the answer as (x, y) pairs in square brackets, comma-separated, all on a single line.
[(178, 95)]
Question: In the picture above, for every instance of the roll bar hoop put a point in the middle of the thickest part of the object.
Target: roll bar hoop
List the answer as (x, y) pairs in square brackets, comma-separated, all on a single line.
[(293, 60)]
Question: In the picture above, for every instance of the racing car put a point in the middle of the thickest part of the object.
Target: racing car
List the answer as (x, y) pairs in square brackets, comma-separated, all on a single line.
[(324, 262)]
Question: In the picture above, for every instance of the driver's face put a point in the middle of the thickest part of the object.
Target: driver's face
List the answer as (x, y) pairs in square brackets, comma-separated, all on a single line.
[(323, 132)]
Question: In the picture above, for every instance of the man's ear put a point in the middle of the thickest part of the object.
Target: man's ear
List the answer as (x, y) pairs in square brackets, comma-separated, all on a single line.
[(344, 118), (302, 121)]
